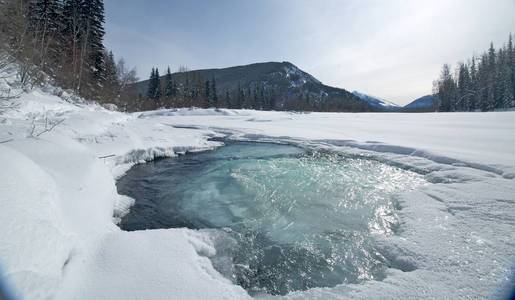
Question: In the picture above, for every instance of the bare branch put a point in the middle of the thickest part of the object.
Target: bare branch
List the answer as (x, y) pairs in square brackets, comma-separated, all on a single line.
[(48, 126)]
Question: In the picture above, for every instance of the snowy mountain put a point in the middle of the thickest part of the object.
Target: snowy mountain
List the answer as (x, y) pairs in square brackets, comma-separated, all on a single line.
[(424, 103), (376, 101), (292, 88)]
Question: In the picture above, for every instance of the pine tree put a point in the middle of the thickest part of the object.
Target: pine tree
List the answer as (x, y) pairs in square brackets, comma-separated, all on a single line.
[(476, 96), (487, 85), (483, 82), (186, 89), (272, 101), (464, 88), (490, 96), (214, 95), (93, 15), (227, 101), (239, 98), (44, 18), (506, 99), (83, 28), (151, 91), (207, 94), (111, 84), (175, 90), (169, 88), (157, 84), (446, 90), (511, 65), (248, 99)]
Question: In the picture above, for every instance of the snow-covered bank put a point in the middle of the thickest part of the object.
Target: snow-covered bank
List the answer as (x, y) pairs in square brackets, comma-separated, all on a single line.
[(58, 237)]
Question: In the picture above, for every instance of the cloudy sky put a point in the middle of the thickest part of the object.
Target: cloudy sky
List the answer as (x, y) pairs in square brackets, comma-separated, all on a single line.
[(388, 48)]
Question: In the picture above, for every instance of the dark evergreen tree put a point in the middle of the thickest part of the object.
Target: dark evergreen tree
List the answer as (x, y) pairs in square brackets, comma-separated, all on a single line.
[(446, 88), (464, 88), (240, 98), (474, 86), (214, 94), (93, 19), (83, 28), (174, 89), (44, 17), (169, 86), (491, 81), (511, 62), (485, 84), (207, 94), (111, 85), (227, 100), (248, 103), (157, 84), (153, 84)]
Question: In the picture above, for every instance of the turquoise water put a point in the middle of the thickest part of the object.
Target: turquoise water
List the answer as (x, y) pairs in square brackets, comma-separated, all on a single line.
[(291, 219)]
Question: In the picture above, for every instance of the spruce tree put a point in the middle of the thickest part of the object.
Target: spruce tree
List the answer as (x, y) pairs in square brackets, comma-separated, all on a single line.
[(207, 94), (111, 84), (483, 75), (464, 87), (44, 22), (93, 18), (214, 95), (157, 84), (169, 89), (474, 86), (83, 28), (511, 65), (227, 101), (446, 90), (239, 98), (506, 99), (151, 84)]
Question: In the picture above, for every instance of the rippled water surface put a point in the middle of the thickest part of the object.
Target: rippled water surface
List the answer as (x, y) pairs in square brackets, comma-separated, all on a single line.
[(291, 219)]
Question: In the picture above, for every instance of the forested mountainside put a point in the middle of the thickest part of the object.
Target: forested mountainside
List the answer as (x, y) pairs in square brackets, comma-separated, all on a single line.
[(263, 86), (423, 104)]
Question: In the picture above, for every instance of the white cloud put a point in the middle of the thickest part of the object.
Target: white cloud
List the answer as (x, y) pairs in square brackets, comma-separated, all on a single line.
[(393, 49)]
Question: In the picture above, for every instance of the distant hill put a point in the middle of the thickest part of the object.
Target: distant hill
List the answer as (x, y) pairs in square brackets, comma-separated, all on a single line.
[(377, 102), (422, 104), (280, 84)]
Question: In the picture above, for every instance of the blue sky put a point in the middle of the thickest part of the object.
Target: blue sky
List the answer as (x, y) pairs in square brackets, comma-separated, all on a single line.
[(392, 49)]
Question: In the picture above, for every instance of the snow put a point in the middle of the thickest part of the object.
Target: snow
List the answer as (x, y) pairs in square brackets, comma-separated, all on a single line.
[(375, 101), (58, 233)]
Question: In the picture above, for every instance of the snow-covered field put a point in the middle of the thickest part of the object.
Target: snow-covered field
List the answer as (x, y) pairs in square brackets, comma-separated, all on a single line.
[(59, 205)]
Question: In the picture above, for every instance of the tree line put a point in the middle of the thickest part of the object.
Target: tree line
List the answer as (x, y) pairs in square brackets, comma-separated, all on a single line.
[(189, 88), (483, 83), (63, 40), (194, 90)]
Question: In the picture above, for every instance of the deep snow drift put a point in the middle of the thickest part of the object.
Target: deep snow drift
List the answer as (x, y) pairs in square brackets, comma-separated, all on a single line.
[(58, 237)]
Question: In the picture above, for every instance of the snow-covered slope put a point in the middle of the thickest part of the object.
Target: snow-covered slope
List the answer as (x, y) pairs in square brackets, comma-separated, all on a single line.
[(59, 204), (422, 103), (376, 101)]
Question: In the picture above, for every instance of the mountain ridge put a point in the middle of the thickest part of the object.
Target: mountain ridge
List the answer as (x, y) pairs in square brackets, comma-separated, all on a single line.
[(291, 88), (377, 101), (421, 104)]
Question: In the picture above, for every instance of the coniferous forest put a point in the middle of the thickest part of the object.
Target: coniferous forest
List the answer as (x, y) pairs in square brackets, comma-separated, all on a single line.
[(63, 40), (483, 83)]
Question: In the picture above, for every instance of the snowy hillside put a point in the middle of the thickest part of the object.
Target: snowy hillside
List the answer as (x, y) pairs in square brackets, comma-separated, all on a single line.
[(376, 101), (59, 204), (422, 103), (282, 83)]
